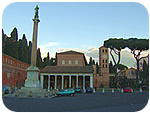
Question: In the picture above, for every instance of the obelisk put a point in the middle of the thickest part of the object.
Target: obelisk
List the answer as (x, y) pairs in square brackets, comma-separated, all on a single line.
[(32, 80)]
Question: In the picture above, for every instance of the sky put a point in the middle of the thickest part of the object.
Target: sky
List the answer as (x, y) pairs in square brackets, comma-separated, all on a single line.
[(78, 26)]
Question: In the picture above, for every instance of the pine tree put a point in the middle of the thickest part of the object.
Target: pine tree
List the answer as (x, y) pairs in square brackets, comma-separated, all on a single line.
[(29, 52), (3, 41), (14, 43), (23, 49), (14, 34), (39, 62)]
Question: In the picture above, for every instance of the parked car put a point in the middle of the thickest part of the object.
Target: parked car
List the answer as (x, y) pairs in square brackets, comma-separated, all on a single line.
[(6, 89), (69, 91), (78, 90), (89, 90), (128, 90)]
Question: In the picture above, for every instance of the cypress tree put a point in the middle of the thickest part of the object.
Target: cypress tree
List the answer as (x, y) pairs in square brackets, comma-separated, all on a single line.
[(39, 59)]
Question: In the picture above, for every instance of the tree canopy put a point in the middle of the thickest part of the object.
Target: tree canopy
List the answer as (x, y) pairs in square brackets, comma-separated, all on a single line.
[(134, 44), (21, 50)]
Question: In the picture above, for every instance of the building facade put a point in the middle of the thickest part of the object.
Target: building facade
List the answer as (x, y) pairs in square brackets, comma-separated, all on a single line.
[(13, 71), (71, 72)]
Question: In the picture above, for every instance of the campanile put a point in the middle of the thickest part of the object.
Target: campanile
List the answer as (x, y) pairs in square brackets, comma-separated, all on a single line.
[(104, 65)]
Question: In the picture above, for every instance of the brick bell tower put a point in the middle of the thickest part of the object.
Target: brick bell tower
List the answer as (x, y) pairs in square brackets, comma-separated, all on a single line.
[(104, 66)]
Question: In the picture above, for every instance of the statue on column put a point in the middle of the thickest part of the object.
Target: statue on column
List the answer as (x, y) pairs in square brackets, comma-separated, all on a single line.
[(36, 17)]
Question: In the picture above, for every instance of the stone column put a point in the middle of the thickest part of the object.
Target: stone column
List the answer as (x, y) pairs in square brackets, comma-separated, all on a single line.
[(62, 82), (76, 81), (32, 71), (34, 38), (48, 82), (69, 80), (91, 81), (83, 82), (41, 80), (55, 81)]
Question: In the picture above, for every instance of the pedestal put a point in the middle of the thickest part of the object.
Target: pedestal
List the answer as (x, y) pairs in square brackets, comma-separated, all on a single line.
[(32, 80)]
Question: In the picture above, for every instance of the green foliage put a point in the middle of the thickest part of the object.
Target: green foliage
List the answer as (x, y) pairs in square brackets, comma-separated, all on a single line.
[(112, 68), (122, 67), (97, 68), (134, 44), (14, 34), (138, 44), (115, 43), (145, 72), (39, 62), (3, 41), (20, 49), (91, 61)]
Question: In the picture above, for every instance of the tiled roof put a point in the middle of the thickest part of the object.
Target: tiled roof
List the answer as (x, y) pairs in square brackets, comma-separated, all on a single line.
[(67, 69), (70, 52)]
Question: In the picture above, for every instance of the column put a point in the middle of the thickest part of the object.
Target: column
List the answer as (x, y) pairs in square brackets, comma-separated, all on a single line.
[(55, 81), (48, 82), (34, 38), (69, 81), (62, 82), (76, 81), (91, 81), (41, 79), (83, 82)]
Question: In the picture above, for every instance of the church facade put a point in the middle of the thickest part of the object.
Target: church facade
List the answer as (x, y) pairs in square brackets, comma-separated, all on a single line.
[(71, 72)]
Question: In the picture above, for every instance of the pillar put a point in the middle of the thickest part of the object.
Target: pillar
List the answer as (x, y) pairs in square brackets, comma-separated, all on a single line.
[(62, 82), (76, 81), (55, 81), (34, 38), (83, 81), (41, 80), (48, 82), (70, 81), (91, 81)]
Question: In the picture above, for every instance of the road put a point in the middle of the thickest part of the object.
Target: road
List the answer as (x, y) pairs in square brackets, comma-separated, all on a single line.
[(98, 102)]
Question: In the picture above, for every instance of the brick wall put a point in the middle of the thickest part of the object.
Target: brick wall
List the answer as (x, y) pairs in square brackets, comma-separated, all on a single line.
[(13, 71)]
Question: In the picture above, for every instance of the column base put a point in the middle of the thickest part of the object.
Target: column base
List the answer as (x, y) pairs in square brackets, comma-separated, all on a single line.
[(32, 80)]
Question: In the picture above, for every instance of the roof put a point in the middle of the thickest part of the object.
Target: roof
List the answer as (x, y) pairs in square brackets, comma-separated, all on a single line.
[(70, 52), (67, 69)]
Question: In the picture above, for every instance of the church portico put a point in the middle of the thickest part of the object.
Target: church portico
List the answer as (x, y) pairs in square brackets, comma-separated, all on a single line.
[(63, 81)]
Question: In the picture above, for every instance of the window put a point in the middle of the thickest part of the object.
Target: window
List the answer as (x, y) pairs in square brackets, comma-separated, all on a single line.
[(103, 65), (103, 61), (106, 65), (76, 61), (103, 50), (106, 61), (63, 61), (69, 61), (106, 50)]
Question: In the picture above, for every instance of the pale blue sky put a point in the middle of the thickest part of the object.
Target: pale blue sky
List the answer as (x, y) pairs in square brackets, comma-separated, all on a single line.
[(78, 26)]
